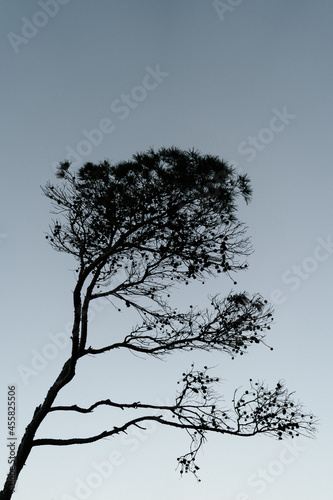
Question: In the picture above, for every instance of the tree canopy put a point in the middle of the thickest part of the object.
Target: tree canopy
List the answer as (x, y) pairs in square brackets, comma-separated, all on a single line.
[(138, 228)]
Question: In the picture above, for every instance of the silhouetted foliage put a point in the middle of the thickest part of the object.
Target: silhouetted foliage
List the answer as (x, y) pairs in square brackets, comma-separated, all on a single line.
[(136, 229)]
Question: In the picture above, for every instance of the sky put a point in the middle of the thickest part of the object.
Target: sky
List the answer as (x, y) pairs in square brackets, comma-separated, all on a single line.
[(250, 82)]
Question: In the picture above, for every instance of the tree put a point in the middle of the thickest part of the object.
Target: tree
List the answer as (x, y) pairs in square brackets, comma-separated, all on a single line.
[(136, 229)]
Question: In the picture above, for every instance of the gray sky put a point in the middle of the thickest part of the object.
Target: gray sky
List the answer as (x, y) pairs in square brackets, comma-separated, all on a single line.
[(248, 81)]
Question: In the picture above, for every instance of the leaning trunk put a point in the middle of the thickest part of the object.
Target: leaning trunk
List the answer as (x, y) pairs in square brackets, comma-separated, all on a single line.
[(26, 445)]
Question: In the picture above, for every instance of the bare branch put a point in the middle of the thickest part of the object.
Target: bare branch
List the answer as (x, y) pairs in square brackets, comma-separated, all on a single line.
[(92, 439)]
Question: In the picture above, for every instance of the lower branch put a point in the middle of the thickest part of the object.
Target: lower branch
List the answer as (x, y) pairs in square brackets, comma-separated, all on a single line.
[(257, 410), (97, 437)]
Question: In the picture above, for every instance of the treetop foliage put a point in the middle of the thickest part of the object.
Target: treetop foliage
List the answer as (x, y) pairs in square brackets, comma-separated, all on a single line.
[(168, 212)]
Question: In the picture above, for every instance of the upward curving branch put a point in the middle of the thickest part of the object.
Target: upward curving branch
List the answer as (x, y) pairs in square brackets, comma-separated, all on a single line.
[(234, 323)]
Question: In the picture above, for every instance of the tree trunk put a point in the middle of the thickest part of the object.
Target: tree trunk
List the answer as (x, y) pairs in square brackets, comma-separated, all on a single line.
[(26, 444)]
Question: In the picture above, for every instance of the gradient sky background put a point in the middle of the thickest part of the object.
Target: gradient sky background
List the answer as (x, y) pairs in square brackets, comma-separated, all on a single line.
[(226, 74)]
